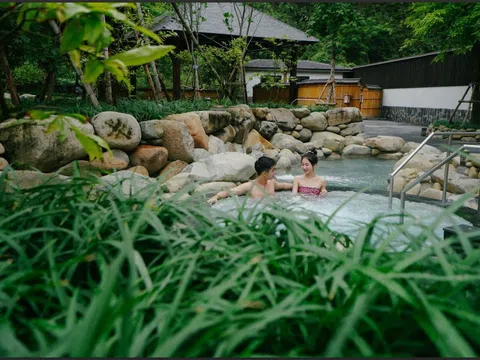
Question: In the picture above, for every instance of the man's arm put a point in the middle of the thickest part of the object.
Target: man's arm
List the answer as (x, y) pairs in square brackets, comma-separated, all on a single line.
[(283, 185), (295, 185), (238, 190)]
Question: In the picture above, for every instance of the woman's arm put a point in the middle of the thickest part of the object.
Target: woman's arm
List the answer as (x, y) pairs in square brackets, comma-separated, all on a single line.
[(323, 187), (239, 190), (295, 185)]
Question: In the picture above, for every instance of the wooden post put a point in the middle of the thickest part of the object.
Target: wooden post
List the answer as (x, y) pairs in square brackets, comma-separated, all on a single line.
[(176, 76), (10, 82), (293, 95)]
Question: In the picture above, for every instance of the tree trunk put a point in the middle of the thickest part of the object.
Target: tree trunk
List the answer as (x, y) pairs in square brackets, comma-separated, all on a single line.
[(163, 86), (331, 79), (51, 85), (9, 77), (4, 113), (190, 34), (476, 86), (88, 87), (48, 86), (108, 81), (156, 79)]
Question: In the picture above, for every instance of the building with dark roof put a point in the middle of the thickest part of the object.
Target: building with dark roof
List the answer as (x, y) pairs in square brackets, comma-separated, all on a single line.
[(214, 30), (259, 69)]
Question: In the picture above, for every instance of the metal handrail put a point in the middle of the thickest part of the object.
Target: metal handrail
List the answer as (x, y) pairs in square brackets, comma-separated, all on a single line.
[(428, 173), (395, 172)]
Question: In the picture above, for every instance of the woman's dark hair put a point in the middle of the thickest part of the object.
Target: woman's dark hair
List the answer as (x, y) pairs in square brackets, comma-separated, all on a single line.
[(311, 156)]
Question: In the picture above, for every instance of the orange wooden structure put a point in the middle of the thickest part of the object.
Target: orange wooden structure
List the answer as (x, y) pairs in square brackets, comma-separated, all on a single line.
[(348, 92), (278, 94)]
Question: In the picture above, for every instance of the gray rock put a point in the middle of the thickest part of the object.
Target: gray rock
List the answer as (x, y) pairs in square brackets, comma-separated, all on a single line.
[(151, 129), (199, 154), (214, 120), (243, 129), (260, 113), (30, 144), (300, 113), (215, 145), (266, 128), (356, 150), (283, 141), (330, 140), (316, 121), (353, 129), (343, 115), (226, 134), (284, 118), (334, 129), (305, 135), (120, 131)]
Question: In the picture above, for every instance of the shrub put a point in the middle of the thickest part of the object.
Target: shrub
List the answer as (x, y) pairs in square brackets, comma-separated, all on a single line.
[(109, 276)]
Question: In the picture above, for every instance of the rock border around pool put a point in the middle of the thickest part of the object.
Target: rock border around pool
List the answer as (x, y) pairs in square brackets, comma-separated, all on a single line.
[(197, 147)]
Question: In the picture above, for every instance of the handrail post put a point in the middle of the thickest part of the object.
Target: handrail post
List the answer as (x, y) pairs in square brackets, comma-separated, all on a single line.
[(390, 195), (402, 207), (445, 174)]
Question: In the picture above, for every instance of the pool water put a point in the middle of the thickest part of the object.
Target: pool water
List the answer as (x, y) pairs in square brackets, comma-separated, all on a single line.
[(359, 209), (352, 173)]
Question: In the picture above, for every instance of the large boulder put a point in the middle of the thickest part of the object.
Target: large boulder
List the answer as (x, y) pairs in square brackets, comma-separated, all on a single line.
[(241, 113), (214, 120), (305, 135), (215, 145), (199, 154), (266, 128), (343, 115), (227, 134), (254, 137), (330, 140), (129, 183), (153, 158), (194, 125), (355, 140), (177, 140), (386, 143), (284, 141), (356, 150), (300, 113), (242, 131), (457, 183), (260, 113), (284, 119), (283, 164), (353, 129), (30, 144), (419, 162), (120, 131), (27, 179), (117, 160), (293, 158), (172, 169), (2, 149), (151, 129), (212, 188), (3, 163), (389, 156), (316, 121), (222, 167), (232, 147)]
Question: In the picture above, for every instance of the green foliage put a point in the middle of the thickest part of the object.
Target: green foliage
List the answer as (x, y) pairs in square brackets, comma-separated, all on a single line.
[(28, 73), (445, 25), (456, 124), (90, 273)]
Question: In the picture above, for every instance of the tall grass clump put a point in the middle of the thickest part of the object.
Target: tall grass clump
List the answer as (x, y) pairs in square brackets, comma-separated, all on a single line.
[(142, 110), (92, 274)]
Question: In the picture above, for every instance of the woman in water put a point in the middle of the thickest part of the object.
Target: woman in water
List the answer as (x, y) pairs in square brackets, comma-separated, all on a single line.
[(309, 182)]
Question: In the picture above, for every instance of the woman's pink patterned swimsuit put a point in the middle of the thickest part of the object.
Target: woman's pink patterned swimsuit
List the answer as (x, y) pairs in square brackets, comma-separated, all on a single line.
[(308, 190)]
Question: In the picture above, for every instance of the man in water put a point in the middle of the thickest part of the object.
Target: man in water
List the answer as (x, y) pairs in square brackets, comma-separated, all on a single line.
[(263, 185)]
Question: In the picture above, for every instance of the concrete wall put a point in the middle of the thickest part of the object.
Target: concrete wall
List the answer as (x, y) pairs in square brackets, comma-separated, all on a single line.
[(424, 105), (253, 77)]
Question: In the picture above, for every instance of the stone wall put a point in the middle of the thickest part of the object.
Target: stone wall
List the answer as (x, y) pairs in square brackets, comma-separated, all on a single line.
[(419, 116)]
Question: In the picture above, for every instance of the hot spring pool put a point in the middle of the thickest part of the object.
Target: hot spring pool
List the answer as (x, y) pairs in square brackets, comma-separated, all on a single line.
[(360, 209), (353, 173)]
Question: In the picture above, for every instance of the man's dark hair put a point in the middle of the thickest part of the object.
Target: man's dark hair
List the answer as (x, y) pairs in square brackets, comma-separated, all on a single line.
[(264, 163)]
